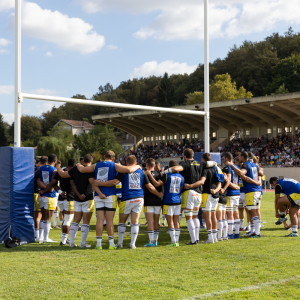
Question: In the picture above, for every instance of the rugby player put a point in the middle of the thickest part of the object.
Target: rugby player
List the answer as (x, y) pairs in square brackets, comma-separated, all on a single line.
[(233, 199), (132, 198), (83, 200), (158, 169), (65, 200), (47, 201), (250, 174), (152, 204), (290, 188), (191, 171), (106, 203), (212, 183)]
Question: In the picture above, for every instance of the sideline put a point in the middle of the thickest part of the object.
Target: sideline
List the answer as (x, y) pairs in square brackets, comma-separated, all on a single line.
[(246, 288)]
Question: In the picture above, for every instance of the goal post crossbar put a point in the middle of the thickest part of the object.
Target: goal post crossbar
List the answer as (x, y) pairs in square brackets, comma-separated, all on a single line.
[(111, 104)]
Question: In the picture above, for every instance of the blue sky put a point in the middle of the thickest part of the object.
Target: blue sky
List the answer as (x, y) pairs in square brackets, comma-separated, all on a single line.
[(73, 46)]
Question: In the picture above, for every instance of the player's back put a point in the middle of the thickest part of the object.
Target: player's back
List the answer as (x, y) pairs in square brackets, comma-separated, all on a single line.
[(252, 172), (192, 171), (289, 186), (106, 171), (173, 183), (132, 184), (211, 181), (46, 172)]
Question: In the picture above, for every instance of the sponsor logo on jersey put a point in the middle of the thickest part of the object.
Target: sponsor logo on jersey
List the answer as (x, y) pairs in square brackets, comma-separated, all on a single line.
[(102, 175), (134, 181), (175, 184)]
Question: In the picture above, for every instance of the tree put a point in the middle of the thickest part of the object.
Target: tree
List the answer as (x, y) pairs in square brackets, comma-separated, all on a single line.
[(221, 89), (100, 140), (165, 94), (30, 128), (60, 132), (50, 118), (3, 134), (287, 72)]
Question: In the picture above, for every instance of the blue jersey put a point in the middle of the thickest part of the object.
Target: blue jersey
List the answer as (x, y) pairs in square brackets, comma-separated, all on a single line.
[(173, 186), (132, 184), (46, 172), (289, 186), (106, 171), (252, 172), (234, 180)]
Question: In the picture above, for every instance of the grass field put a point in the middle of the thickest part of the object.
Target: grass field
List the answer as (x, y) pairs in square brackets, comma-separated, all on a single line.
[(264, 268)]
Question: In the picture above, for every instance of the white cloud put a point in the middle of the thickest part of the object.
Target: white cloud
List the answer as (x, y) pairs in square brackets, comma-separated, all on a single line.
[(182, 20), (48, 53), (6, 5), (47, 106), (4, 51), (4, 42), (32, 48), (9, 118), (6, 89), (153, 68), (54, 27), (111, 47), (44, 92)]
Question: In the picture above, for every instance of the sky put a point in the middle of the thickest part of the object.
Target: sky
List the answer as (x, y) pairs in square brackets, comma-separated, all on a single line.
[(73, 46)]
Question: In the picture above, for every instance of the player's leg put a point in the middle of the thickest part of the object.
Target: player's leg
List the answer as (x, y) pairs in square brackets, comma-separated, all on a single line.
[(88, 209), (37, 216), (135, 208), (169, 211), (236, 222), (214, 220), (149, 214), (110, 214), (156, 224), (99, 227), (55, 217), (230, 219), (50, 204), (196, 202), (252, 200), (68, 214), (187, 206), (176, 222), (220, 222), (294, 211), (75, 225), (241, 216), (123, 216)]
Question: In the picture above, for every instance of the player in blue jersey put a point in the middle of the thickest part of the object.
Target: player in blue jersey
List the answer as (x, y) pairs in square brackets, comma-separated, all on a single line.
[(233, 199), (290, 189), (106, 203), (173, 185), (132, 198), (47, 201), (251, 176)]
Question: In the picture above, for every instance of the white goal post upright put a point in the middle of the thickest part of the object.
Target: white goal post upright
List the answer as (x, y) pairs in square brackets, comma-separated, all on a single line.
[(19, 96)]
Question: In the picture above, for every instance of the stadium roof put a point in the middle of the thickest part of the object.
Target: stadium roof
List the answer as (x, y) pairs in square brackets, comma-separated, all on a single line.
[(276, 110)]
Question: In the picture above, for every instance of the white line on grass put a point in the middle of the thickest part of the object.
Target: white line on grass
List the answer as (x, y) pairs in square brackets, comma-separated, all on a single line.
[(246, 288)]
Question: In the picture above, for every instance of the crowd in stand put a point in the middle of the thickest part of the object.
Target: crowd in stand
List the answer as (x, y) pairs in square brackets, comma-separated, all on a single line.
[(282, 151)]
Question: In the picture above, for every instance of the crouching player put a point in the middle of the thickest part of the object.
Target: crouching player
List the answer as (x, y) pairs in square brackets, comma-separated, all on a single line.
[(291, 190), (132, 199)]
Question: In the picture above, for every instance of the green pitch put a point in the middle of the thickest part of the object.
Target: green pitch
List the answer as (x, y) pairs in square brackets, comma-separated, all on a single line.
[(264, 268)]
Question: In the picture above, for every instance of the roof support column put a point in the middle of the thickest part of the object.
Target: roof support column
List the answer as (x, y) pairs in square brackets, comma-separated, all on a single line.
[(275, 131)]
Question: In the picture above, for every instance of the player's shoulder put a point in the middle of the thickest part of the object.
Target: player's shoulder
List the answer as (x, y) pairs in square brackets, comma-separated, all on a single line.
[(226, 170)]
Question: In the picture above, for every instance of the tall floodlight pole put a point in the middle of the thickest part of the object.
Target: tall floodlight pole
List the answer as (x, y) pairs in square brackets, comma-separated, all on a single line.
[(206, 77), (17, 125)]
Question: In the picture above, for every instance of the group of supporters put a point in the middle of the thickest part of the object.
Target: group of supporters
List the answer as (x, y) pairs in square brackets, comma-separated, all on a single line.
[(223, 195)]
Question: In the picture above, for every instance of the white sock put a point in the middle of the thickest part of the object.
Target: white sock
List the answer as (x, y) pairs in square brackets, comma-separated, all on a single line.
[(180, 217), (230, 226), (111, 241), (197, 228), (85, 228), (73, 232), (177, 234), (252, 228), (248, 225), (172, 235), (237, 226), (294, 228), (134, 233), (220, 228), (191, 228), (37, 234), (55, 217), (121, 232), (214, 233), (47, 226), (210, 236), (241, 223), (156, 234), (64, 238), (99, 241), (225, 228), (151, 236), (256, 223)]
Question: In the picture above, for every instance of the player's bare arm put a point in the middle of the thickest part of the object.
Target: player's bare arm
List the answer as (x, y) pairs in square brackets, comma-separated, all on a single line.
[(153, 181), (217, 189), (81, 197), (108, 183), (153, 190), (83, 169)]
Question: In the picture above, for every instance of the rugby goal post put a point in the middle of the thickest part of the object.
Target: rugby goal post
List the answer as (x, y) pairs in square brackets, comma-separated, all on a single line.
[(19, 96)]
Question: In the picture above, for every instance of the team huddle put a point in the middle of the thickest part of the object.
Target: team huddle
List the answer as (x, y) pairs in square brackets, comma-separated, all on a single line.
[(224, 195)]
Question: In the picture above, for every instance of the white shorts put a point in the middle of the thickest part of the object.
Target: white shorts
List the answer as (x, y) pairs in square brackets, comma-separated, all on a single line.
[(221, 207), (47, 202), (190, 199), (66, 205), (209, 203), (108, 204), (242, 202), (232, 201), (132, 205), (85, 207), (253, 200), (152, 209), (172, 210)]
